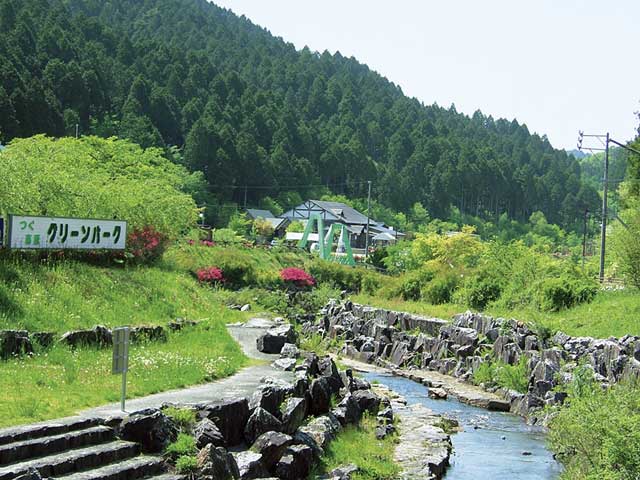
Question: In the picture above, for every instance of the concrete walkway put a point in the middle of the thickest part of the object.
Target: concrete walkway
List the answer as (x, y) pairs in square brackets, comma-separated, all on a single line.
[(241, 384)]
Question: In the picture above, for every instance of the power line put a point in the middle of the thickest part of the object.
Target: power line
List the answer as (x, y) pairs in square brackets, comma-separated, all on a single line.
[(280, 187)]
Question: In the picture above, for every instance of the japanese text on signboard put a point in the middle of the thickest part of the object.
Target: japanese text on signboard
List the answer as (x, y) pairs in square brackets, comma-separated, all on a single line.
[(26, 232)]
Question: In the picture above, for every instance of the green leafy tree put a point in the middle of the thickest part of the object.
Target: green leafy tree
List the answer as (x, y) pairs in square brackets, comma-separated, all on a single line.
[(240, 224), (96, 178)]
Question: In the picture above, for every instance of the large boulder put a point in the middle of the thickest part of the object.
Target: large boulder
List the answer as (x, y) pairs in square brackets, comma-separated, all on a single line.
[(320, 393), (206, 432), (321, 429), (270, 395), (180, 323), (271, 445), (545, 370), (285, 364), (506, 350), (141, 333), (98, 336), (523, 405), (462, 336), (14, 343), (310, 363), (329, 370), (150, 428), (44, 339), (289, 350), (293, 413), (275, 338), (260, 421), (215, 463), (367, 400), (296, 463), (357, 383), (348, 410), (250, 465), (300, 383), (230, 417)]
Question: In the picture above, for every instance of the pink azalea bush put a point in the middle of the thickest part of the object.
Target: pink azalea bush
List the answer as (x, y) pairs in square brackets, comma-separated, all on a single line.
[(212, 275), (297, 277), (146, 244)]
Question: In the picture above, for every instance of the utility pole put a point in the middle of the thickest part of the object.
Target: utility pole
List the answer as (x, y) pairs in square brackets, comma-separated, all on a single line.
[(77, 130), (605, 187), (584, 237), (245, 197), (605, 190), (366, 241)]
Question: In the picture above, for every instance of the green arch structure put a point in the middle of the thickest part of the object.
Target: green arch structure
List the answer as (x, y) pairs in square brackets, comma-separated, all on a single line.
[(325, 243)]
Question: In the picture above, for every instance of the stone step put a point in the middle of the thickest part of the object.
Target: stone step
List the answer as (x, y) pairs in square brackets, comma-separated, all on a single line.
[(139, 467), (74, 460), (46, 429), (43, 446)]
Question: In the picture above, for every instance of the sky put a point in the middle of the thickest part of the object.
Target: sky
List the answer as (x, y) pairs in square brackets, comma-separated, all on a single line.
[(559, 66)]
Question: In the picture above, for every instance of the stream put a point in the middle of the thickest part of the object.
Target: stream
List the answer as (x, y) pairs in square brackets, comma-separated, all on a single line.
[(491, 444)]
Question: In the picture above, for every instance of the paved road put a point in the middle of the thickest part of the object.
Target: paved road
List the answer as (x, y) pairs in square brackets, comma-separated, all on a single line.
[(241, 384)]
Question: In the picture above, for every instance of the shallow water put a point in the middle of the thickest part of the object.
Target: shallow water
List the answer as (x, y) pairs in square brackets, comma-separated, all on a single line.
[(491, 444)]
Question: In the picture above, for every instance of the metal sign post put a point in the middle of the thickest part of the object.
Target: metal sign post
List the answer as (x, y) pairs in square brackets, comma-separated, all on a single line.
[(120, 364)]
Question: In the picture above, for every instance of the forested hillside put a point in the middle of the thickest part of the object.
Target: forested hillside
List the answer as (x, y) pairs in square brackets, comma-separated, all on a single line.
[(246, 108)]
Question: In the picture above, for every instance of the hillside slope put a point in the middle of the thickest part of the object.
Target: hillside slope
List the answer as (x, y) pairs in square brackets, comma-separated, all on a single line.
[(251, 110)]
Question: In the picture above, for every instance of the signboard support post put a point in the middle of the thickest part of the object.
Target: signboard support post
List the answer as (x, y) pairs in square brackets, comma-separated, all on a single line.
[(120, 364), (124, 391)]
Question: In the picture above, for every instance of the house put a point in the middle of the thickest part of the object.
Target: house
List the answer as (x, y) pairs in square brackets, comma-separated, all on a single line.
[(279, 224), (337, 212)]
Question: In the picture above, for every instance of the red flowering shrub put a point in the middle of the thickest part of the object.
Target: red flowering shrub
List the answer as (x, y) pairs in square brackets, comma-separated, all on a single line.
[(207, 243), (297, 277), (210, 275), (147, 244)]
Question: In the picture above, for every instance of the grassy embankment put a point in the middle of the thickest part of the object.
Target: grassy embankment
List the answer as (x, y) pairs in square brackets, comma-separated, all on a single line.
[(611, 313), (64, 294)]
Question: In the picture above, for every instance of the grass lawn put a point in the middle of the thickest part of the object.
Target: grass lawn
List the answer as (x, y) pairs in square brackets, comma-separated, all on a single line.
[(611, 313), (71, 295), (358, 445), (60, 295), (60, 382)]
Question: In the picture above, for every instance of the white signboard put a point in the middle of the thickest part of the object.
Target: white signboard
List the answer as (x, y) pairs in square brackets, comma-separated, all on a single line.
[(29, 232)]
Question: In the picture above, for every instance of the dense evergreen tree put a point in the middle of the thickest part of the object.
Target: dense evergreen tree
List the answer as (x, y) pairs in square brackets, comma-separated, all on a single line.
[(248, 109)]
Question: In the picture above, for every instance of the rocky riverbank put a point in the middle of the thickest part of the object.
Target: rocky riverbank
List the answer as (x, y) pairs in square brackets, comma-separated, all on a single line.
[(459, 347)]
